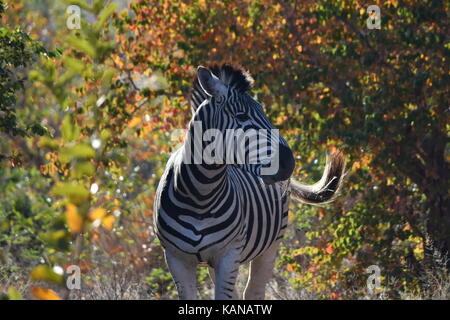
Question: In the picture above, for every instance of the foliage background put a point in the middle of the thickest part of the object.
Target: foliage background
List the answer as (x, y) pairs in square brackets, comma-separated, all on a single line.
[(89, 117)]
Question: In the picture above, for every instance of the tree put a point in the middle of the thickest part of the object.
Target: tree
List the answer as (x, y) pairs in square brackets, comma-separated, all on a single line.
[(79, 162), (111, 104), (378, 94), (17, 52)]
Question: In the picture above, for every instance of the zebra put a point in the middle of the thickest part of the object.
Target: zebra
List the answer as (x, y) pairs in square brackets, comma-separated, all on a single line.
[(220, 214)]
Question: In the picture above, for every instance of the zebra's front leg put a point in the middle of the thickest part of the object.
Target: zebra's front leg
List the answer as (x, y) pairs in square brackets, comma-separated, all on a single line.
[(261, 269), (212, 274), (226, 271), (183, 268)]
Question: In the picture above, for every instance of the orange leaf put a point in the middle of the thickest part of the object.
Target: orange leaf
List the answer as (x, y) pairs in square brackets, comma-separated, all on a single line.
[(329, 248), (97, 213), (321, 212), (118, 61), (44, 294), (108, 222), (74, 220), (134, 122), (148, 201), (115, 250), (291, 216)]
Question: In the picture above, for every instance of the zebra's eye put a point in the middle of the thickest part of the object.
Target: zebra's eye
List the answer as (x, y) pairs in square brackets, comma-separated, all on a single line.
[(242, 117)]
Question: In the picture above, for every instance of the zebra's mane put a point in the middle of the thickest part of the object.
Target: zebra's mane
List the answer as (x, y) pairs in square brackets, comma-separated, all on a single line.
[(231, 75)]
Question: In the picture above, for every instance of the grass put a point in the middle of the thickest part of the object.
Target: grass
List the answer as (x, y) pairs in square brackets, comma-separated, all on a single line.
[(138, 272)]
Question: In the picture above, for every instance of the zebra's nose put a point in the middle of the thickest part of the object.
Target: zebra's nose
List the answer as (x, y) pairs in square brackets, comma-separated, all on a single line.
[(285, 168)]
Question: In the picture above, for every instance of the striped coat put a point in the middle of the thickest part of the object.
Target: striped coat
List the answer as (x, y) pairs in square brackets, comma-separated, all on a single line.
[(224, 214)]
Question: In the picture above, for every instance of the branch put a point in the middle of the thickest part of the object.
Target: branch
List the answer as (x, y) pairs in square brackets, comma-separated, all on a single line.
[(366, 43), (337, 86)]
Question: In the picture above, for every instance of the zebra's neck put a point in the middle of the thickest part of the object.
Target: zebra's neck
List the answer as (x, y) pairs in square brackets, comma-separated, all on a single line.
[(192, 170)]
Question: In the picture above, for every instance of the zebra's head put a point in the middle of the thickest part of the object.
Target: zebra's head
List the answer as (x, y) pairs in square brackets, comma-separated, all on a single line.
[(220, 100)]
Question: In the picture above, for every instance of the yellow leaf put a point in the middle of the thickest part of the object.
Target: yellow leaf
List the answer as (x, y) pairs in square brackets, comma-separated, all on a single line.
[(108, 222), (74, 220), (118, 61), (97, 213), (134, 122), (44, 294)]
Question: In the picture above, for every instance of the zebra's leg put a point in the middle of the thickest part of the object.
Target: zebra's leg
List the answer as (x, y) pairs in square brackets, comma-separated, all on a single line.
[(226, 270), (184, 272), (261, 269), (212, 274)]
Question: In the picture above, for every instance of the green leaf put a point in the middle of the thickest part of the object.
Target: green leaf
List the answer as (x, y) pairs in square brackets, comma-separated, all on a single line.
[(119, 157), (76, 193), (105, 14), (56, 239), (36, 128), (69, 129), (107, 77), (13, 294), (45, 273), (80, 3), (48, 143), (82, 46), (105, 134), (36, 76), (79, 151), (84, 168), (75, 65)]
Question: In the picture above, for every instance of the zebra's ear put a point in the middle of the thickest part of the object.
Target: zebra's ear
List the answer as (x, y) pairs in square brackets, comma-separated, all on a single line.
[(212, 85)]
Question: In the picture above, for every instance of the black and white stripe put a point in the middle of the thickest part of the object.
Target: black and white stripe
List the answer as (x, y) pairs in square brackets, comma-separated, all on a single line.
[(226, 214)]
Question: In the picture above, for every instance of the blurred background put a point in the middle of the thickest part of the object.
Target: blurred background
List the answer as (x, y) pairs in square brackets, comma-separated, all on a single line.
[(93, 99)]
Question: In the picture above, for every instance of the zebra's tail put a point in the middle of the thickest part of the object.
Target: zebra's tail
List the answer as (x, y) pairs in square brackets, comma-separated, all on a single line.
[(327, 187)]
